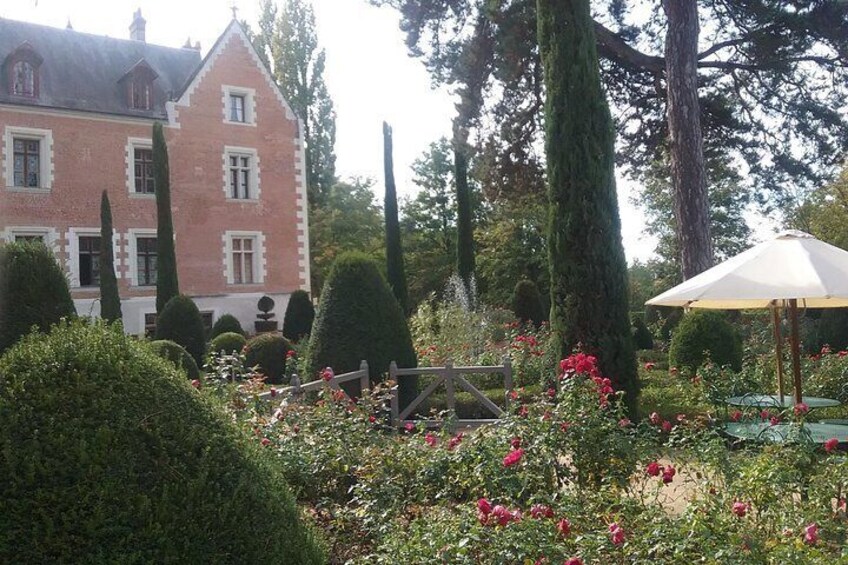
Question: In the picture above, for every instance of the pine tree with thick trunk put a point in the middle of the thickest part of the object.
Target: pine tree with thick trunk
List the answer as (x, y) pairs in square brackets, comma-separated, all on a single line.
[(167, 284), (691, 204), (395, 271), (464, 227), (110, 301), (589, 288)]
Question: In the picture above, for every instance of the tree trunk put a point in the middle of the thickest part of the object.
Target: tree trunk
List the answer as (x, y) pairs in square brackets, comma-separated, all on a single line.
[(691, 205)]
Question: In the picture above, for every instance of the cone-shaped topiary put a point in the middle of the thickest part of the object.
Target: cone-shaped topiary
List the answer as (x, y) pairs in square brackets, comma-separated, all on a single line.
[(167, 282), (269, 352), (703, 331), (395, 270), (110, 456), (110, 300), (226, 323), (33, 291), (228, 342), (589, 285), (176, 354), (642, 337), (180, 321), (527, 303), (359, 318), (300, 314)]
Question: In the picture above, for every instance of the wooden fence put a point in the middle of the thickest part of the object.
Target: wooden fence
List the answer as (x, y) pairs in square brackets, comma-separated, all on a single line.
[(451, 377), (297, 390)]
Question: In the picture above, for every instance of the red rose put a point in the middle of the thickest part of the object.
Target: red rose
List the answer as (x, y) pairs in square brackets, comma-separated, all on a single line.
[(430, 439), (327, 374), (649, 366), (653, 469), (409, 426), (811, 534), (564, 527), (801, 409), (668, 474), (484, 506), (740, 509), (735, 416), (539, 511), (666, 426), (372, 418), (831, 444), (515, 443), (573, 561), (616, 534), (195, 383), (513, 457), (265, 441)]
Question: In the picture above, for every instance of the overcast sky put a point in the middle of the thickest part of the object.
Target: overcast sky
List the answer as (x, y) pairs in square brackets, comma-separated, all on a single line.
[(369, 74)]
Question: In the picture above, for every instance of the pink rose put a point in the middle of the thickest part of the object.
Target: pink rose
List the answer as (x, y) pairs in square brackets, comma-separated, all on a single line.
[(668, 474), (831, 444), (409, 426), (811, 534), (655, 418), (195, 383), (513, 457), (430, 439), (801, 409), (624, 422), (539, 511), (564, 527), (649, 366), (616, 534), (740, 509), (265, 441), (573, 561), (327, 374)]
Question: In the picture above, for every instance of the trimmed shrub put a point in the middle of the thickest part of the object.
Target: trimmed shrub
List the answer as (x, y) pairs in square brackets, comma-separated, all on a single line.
[(359, 318), (176, 354), (228, 342), (300, 314), (642, 337), (704, 333), (33, 291), (180, 321), (268, 352), (226, 324), (109, 456), (833, 329), (527, 303)]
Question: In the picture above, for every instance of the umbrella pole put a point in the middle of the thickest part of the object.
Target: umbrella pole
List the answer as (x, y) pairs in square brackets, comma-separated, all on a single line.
[(796, 349), (778, 339)]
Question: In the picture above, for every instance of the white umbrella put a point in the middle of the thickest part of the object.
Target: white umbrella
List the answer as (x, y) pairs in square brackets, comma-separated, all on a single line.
[(793, 268)]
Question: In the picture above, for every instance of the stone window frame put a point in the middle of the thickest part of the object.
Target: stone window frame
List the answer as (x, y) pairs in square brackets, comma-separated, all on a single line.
[(255, 176), (259, 261), (72, 253), (49, 234), (134, 143), (46, 162), (249, 94), (132, 254)]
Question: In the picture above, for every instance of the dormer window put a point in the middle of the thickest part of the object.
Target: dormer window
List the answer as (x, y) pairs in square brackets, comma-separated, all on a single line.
[(23, 79), (140, 93), (138, 82), (22, 67)]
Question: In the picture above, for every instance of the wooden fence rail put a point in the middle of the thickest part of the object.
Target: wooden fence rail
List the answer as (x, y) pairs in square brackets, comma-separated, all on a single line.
[(296, 390), (451, 377)]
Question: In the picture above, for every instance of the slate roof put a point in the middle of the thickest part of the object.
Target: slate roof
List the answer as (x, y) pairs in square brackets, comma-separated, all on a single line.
[(82, 71)]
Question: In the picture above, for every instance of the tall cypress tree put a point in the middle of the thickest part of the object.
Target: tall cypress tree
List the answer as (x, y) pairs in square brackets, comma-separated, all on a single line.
[(464, 229), (110, 301), (167, 284), (394, 250), (589, 294)]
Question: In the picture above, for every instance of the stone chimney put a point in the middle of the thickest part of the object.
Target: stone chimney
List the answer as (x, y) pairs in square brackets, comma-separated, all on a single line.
[(137, 26)]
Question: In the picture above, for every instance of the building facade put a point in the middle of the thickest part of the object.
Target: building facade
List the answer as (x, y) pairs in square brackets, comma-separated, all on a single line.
[(76, 117)]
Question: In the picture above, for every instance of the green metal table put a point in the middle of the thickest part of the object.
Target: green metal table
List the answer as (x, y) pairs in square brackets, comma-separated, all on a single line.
[(764, 431), (773, 401)]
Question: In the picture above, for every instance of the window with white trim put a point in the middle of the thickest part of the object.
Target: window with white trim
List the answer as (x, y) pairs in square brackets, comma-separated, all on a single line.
[(83, 252), (239, 105), (241, 173), (88, 259), (143, 170), (244, 257), (145, 260), (48, 236), (29, 159)]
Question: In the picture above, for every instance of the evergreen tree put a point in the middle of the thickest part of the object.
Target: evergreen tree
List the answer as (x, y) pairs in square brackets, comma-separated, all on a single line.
[(167, 283), (110, 301), (290, 44), (589, 294), (394, 249), (464, 228)]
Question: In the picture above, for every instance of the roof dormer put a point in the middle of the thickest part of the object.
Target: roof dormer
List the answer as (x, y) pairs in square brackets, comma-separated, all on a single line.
[(22, 71), (138, 82)]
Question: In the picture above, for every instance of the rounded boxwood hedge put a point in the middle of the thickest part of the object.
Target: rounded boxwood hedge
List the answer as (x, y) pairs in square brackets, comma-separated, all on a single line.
[(300, 314), (228, 342), (642, 337), (176, 354), (226, 324), (703, 333), (181, 322), (527, 303), (110, 456), (360, 318), (33, 291), (268, 352)]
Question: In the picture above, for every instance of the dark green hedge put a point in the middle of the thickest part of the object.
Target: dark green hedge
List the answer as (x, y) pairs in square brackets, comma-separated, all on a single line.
[(176, 354), (701, 333), (110, 456), (181, 322), (33, 291), (359, 318), (225, 324), (268, 353), (300, 314), (228, 342), (527, 303)]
